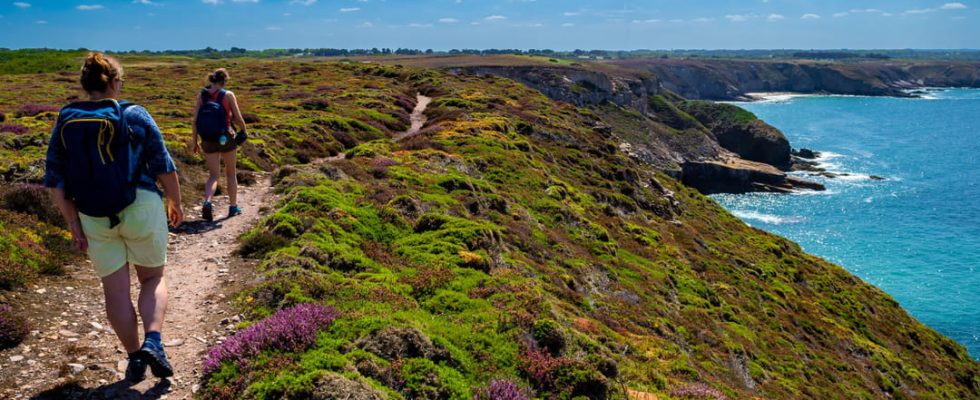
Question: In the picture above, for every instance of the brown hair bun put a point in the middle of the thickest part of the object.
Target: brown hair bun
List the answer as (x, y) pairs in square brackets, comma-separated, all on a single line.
[(219, 75), (98, 71)]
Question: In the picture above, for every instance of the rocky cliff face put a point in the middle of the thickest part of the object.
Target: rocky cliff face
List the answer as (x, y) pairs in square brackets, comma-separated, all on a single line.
[(712, 147), (734, 79)]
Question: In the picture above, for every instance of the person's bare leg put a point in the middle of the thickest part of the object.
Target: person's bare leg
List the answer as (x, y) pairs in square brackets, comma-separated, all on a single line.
[(231, 174), (119, 309), (213, 161), (152, 298)]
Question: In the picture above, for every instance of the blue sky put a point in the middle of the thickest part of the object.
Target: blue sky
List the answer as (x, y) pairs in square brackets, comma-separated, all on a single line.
[(447, 24)]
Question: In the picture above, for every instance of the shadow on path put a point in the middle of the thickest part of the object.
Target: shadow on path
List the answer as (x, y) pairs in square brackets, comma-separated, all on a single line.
[(118, 390)]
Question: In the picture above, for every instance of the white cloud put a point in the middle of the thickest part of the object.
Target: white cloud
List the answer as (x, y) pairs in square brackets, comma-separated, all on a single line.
[(89, 7), (350, 9), (273, 28), (571, 13), (775, 17), (944, 7), (676, 20), (303, 2), (147, 2), (416, 25), (739, 17), (366, 25), (214, 2), (646, 21), (448, 20), (244, 1), (495, 18), (841, 14), (919, 11), (21, 4), (810, 16), (567, 25), (703, 19), (41, 22)]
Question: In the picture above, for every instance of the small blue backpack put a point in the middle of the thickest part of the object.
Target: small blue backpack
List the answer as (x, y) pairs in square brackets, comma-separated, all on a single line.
[(212, 118), (100, 175)]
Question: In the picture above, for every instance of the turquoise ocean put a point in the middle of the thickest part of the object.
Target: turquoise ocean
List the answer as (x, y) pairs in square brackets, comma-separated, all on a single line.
[(915, 235)]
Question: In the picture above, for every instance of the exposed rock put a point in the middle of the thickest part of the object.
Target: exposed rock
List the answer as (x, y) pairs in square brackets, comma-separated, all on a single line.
[(740, 176), (333, 386), (401, 342), (76, 368), (741, 132), (806, 153)]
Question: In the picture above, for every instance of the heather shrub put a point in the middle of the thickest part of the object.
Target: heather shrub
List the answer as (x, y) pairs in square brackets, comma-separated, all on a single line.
[(314, 104), (379, 166), (289, 330), (13, 327), (31, 109), (562, 375), (14, 274), (251, 118), (32, 200), (16, 129), (294, 95), (698, 391), (501, 389)]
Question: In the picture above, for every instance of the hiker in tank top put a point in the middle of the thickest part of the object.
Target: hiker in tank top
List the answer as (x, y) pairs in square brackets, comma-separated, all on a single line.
[(216, 114), (103, 163)]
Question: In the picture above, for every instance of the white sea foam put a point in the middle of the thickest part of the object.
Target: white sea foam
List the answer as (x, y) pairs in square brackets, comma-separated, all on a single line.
[(766, 218)]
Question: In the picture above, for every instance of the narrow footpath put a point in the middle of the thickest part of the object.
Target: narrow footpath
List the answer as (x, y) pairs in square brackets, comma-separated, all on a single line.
[(72, 352)]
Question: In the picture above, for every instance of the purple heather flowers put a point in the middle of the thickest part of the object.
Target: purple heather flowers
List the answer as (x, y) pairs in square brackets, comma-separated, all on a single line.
[(16, 129), (500, 389), (31, 109), (290, 330)]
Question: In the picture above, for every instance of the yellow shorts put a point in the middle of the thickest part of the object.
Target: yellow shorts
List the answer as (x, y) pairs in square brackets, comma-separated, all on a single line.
[(139, 239)]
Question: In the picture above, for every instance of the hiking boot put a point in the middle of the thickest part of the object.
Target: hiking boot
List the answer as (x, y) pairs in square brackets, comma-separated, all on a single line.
[(136, 369), (208, 211), (157, 359), (234, 210)]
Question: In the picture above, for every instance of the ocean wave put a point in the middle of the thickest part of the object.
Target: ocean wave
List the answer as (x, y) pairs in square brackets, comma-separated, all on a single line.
[(767, 218)]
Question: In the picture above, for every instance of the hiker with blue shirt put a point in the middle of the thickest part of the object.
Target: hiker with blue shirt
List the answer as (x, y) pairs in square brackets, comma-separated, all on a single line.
[(103, 163), (216, 115)]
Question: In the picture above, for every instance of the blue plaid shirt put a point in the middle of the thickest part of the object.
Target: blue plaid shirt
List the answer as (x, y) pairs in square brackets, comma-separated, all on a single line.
[(153, 152)]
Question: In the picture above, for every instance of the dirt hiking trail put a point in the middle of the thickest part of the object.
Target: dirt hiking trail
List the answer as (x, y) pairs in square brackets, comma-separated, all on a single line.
[(72, 352)]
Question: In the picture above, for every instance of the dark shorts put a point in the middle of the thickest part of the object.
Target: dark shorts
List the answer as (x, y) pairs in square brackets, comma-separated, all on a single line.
[(215, 147)]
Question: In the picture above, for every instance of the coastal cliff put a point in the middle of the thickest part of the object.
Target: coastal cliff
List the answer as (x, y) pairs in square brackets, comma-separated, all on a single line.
[(709, 146), (735, 79)]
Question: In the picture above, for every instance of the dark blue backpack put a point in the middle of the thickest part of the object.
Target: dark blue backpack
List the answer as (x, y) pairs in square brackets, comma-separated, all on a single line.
[(212, 118), (99, 148)]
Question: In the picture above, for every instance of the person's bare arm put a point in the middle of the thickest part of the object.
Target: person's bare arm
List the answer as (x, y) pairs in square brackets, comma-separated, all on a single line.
[(171, 191), (236, 113), (195, 139), (70, 213)]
